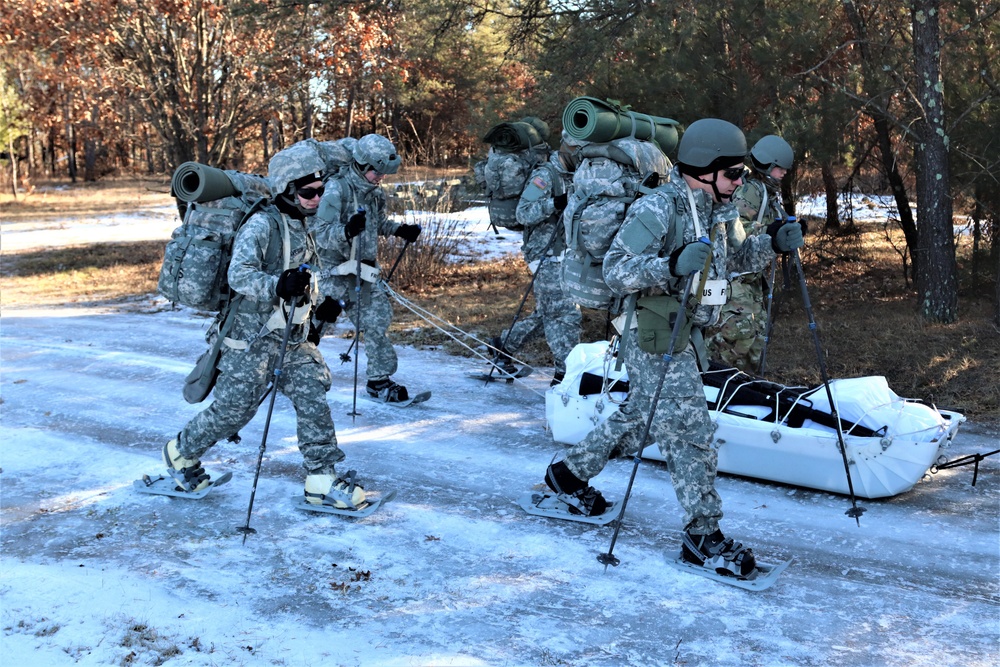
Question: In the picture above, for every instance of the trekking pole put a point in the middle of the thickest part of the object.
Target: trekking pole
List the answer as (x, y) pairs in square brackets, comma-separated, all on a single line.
[(346, 356), (770, 317), (275, 376), (855, 512), (357, 325), (609, 558), (531, 284)]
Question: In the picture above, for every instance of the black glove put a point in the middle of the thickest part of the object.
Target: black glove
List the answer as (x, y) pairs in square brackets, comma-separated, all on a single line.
[(292, 283), (329, 310), (355, 225), (408, 233), (785, 236), (689, 258), (560, 201), (805, 227), (314, 333)]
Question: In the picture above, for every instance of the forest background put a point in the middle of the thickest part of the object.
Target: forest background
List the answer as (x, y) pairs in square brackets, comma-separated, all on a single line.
[(894, 98)]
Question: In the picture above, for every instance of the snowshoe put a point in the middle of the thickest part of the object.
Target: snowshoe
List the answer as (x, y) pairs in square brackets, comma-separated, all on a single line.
[(497, 374), (165, 485), (554, 506), (342, 495), (188, 473), (387, 391), (762, 577)]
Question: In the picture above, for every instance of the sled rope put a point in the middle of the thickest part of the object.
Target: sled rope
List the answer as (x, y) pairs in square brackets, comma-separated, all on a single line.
[(447, 328), (972, 459)]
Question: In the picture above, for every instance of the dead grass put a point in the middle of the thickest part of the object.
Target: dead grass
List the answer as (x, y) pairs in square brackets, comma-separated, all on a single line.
[(52, 200), (866, 315)]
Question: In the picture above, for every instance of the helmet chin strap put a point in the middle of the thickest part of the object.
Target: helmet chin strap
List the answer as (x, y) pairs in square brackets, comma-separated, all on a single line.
[(292, 201), (719, 197)]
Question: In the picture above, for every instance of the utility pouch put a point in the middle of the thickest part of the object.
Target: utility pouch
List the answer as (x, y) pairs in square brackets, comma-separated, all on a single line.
[(200, 381), (655, 317)]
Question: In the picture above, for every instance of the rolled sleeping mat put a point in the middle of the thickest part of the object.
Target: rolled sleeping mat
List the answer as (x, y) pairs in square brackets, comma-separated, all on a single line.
[(594, 120), (513, 136), (197, 182)]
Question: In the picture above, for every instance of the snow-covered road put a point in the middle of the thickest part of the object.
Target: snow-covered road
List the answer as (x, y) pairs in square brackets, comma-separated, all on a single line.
[(451, 572)]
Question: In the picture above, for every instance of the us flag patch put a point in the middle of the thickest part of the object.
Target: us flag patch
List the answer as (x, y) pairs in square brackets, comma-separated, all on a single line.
[(539, 182)]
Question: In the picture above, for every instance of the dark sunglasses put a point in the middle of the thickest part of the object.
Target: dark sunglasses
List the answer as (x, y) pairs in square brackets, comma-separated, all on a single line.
[(734, 173), (309, 193)]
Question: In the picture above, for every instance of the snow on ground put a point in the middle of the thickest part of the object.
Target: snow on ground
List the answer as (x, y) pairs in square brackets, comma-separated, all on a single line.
[(451, 572)]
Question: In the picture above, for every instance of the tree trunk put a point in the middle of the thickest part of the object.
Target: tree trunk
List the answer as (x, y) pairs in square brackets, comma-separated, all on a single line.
[(351, 97), (871, 83), (263, 141), (832, 196), (936, 269)]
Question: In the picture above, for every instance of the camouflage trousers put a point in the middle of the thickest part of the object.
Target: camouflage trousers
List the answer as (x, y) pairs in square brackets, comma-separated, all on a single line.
[(681, 427), (738, 338), (243, 378), (555, 314), (376, 316)]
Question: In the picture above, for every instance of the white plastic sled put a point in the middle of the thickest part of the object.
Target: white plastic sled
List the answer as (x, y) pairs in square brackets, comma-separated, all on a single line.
[(775, 432)]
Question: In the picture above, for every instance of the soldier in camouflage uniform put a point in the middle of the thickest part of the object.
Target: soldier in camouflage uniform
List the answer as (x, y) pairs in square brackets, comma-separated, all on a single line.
[(738, 338), (647, 257), (350, 218), (539, 211), (250, 351)]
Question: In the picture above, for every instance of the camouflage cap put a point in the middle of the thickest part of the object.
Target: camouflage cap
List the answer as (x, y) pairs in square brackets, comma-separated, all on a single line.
[(378, 153), (295, 162)]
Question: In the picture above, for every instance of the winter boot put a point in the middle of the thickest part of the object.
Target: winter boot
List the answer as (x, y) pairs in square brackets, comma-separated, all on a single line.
[(336, 492), (582, 499), (188, 473), (501, 357), (388, 391), (716, 552)]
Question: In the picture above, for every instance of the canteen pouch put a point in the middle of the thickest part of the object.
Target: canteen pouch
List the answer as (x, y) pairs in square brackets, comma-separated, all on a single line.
[(655, 317)]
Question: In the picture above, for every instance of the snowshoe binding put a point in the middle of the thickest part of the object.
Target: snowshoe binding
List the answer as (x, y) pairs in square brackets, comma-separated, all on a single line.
[(572, 499), (188, 473), (716, 557), (387, 391), (716, 552), (502, 359), (340, 495)]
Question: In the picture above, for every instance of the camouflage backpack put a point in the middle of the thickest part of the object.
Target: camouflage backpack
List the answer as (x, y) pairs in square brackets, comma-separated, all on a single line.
[(214, 204), (515, 150), (609, 178)]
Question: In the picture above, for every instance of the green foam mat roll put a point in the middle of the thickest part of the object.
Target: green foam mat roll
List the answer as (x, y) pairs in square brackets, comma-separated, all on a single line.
[(197, 182), (591, 119)]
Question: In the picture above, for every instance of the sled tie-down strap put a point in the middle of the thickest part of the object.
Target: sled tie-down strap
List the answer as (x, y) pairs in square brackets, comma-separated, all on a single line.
[(973, 459)]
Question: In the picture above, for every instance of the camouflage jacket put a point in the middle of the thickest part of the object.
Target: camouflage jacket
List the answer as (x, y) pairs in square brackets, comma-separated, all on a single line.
[(346, 193), (249, 276), (536, 210), (639, 257), (749, 199)]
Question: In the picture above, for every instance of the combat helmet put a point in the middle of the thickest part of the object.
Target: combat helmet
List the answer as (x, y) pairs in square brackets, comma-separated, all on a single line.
[(373, 151), (292, 168), (710, 144), (770, 152), (298, 161)]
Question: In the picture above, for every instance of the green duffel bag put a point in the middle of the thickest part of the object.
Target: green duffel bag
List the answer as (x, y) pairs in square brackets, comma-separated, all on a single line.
[(655, 317)]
